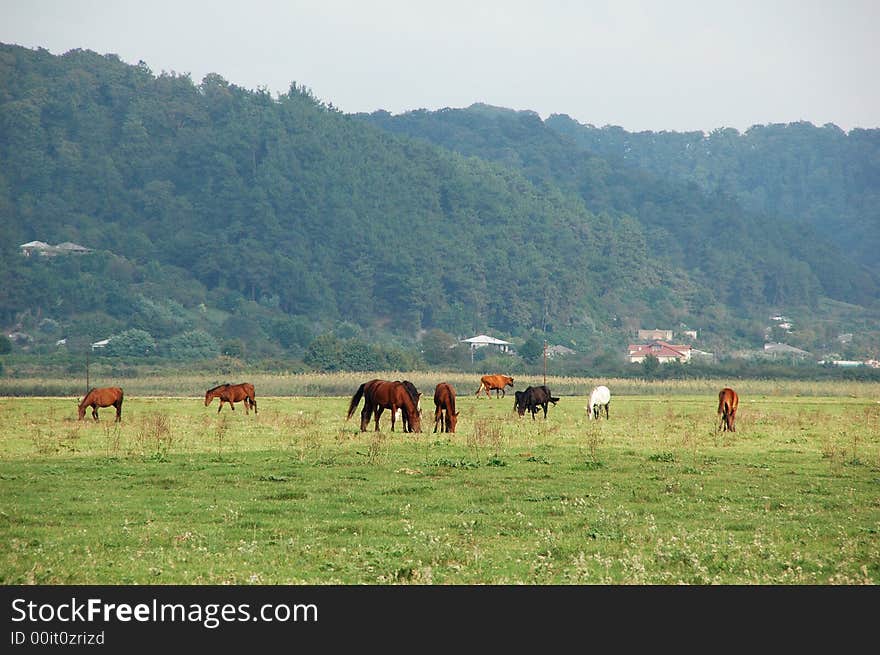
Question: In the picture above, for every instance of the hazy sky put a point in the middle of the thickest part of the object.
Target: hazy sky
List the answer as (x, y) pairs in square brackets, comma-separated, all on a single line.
[(644, 65)]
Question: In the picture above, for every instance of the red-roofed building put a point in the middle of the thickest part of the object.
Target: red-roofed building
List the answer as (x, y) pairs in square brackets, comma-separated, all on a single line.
[(663, 351)]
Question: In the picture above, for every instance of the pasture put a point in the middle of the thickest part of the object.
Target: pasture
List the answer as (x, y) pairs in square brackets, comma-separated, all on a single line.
[(177, 493)]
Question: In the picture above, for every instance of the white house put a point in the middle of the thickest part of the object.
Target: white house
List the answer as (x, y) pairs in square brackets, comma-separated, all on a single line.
[(482, 340)]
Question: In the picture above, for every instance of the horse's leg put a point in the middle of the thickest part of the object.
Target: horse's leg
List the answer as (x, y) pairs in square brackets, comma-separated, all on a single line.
[(118, 405), (378, 414), (254, 403), (95, 411), (366, 414), (393, 416), (437, 413)]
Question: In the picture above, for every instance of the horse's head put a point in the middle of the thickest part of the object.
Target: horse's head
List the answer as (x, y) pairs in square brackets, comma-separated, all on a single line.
[(415, 421), (81, 411), (451, 419), (519, 402), (208, 398)]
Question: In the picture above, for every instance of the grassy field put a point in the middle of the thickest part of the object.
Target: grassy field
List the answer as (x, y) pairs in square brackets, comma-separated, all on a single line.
[(178, 493)]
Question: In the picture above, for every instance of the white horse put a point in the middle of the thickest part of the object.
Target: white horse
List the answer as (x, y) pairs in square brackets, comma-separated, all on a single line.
[(600, 397)]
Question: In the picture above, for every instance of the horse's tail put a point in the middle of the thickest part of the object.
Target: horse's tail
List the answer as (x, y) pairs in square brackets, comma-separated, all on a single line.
[(355, 399)]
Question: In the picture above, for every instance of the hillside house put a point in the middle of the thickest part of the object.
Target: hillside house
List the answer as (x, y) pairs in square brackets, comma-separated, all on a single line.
[(784, 350), (47, 250), (559, 351), (482, 340), (663, 351), (35, 247)]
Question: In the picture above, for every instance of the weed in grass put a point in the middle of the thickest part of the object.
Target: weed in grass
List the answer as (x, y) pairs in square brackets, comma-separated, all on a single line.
[(594, 440), (487, 432), (221, 427), (45, 442), (153, 435), (309, 445), (112, 438), (375, 449)]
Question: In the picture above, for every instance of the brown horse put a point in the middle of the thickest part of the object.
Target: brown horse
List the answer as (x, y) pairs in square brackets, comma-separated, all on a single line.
[(444, 407), (728, 401), (233, 393), (494, 383), (102, 397), (380, 395)]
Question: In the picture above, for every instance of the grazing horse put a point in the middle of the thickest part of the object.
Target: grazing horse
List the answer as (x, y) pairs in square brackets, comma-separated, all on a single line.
[(532, 399), (380, 395), (494, 383), (599, 398), (416, 395), (102, 397), (728, 401), (444, 407), (233, 393)]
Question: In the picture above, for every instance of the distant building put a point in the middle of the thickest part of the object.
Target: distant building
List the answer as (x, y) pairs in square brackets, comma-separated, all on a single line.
[(559, 351), (652, 335), (664, 352), (783, 349), (100, 344), (32, 247), (483, 340), (47, 250), (690, 334)]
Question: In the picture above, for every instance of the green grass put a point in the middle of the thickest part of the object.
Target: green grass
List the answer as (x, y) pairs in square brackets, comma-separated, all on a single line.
[(296, 495)]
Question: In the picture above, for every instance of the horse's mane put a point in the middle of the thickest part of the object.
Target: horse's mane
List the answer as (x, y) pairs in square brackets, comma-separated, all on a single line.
[(225, 384), (412, 391)]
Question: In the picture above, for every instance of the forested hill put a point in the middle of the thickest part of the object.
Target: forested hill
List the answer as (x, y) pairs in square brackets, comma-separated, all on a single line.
[(820, 176), (699, 219), (219, 213)]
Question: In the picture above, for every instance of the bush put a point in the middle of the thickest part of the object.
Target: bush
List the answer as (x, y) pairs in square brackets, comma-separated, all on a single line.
[(195, 344), (131, 343)]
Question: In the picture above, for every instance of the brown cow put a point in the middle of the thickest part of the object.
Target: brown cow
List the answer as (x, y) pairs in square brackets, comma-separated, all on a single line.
[(728, 401), (494, 383), (101, 397), (444, 407)]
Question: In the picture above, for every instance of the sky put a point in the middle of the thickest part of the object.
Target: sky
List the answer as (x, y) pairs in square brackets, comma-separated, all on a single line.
[(677, 65)]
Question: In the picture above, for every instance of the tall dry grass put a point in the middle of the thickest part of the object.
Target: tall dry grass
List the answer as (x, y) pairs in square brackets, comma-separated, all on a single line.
[(346, 383)]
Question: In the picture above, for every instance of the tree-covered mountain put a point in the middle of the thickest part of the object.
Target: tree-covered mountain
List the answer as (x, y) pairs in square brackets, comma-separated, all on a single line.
[(770, 253), (818, 176), (222, 217)]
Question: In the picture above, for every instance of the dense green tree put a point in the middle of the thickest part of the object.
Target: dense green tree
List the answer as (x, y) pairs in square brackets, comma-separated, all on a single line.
[(131, 343), (193, 344)]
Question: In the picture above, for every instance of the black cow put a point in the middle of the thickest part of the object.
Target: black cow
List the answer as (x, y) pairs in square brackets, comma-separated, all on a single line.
[(532, 399)]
